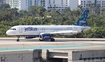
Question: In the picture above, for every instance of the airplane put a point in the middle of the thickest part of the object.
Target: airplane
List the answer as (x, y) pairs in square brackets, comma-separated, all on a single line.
[(47, 32)]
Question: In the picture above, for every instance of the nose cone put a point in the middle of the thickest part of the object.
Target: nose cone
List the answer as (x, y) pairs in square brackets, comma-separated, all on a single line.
[(7, 32), (10, 32)]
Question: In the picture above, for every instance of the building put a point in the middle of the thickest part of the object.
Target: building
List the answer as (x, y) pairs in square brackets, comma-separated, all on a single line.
[(73, 4), (20, 4), (2, 2), (56, 4), (61, 4), (48, 4), (84, 3), (39, 3), (23, 4)]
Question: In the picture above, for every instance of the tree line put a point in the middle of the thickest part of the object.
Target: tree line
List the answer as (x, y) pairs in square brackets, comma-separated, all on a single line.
[(40, 16)]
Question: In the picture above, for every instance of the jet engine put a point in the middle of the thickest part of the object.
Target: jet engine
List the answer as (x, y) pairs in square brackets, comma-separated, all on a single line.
[(46, 37)]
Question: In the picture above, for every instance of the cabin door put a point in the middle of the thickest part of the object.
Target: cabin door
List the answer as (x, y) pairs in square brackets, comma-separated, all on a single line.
[(21, 30)]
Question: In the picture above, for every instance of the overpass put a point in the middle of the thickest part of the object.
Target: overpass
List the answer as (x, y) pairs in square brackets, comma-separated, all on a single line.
[(65, 53), (72, 50)]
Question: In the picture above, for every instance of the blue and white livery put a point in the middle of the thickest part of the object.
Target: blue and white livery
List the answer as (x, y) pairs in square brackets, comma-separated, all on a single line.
[(46, 32)]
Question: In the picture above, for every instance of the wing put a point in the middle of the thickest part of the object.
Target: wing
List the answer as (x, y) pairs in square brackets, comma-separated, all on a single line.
[(62, 32)]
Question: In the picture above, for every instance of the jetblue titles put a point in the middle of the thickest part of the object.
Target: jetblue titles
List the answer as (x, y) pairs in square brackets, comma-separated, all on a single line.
[(30, 29)]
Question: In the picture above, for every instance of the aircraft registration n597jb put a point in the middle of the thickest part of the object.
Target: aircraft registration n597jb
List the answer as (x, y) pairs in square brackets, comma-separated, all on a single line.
[(46, 32)]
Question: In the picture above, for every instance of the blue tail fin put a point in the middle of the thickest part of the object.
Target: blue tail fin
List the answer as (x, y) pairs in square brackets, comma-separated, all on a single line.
[(82, 20)]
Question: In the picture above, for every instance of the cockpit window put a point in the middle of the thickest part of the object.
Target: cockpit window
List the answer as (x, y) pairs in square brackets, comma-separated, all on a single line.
[(12, 28)]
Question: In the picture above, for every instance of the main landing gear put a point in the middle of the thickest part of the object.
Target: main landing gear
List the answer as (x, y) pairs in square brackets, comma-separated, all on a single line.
[(52, 39), (18, 39)]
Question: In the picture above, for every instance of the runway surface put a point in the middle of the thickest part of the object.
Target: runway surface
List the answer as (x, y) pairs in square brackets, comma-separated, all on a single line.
[(10, 44), (56, 39)]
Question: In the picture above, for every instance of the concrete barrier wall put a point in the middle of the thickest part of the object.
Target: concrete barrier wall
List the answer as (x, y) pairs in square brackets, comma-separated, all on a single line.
[(95, 60), (20, 56), (88, 55), (40, 56)]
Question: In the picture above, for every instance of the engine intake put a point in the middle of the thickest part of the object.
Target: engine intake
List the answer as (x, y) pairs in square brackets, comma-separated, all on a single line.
[(46, 37)]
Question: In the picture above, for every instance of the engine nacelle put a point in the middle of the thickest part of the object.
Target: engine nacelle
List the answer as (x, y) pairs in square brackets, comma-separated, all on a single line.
[(45, 37), (29, 37)]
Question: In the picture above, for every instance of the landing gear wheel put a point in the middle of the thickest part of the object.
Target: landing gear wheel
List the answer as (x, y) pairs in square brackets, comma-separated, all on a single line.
[(18, 39), (52, 40), (40, 40)]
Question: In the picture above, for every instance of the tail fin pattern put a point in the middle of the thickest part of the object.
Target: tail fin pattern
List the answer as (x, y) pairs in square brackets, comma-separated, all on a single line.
[(82, 20)]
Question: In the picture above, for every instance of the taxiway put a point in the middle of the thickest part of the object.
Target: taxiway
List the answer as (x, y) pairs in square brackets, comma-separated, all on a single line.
[(60, 43)]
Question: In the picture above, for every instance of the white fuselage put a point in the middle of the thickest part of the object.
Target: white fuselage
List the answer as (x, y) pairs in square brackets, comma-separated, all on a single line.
[(23, 30)]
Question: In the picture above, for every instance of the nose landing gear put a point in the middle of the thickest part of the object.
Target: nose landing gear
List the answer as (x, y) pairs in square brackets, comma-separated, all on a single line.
[(18, 39)]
